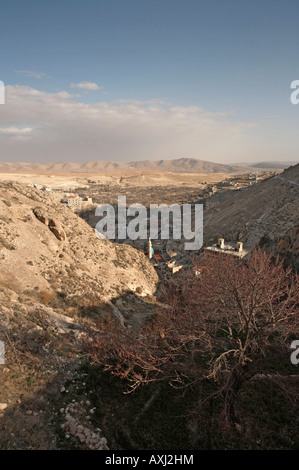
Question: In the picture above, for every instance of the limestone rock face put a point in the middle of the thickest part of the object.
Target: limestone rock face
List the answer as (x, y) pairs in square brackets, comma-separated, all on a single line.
[(57, 229), (40, 215), (44, 246), (53, 224), (57, 281)]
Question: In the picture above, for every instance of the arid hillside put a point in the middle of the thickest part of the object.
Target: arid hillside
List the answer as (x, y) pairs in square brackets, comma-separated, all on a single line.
[(45, 246), (267, 211), (57, 279)]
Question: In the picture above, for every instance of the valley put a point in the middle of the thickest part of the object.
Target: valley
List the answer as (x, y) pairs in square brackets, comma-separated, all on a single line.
[(57, 280)]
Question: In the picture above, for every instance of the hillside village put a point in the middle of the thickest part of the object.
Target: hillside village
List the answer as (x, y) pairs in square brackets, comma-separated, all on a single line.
[(72, 200), (57, 279), (169, 256)]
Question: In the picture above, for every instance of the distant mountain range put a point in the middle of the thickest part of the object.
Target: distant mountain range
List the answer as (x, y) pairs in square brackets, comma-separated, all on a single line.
[(274, 165), (184, 165), (180, 165)]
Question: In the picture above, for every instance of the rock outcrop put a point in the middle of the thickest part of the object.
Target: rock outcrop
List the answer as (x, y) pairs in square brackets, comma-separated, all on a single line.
[(45, 246), (53, 225), (57, 280)]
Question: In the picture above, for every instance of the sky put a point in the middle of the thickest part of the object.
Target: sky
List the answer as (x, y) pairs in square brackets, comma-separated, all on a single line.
[(149, 79)]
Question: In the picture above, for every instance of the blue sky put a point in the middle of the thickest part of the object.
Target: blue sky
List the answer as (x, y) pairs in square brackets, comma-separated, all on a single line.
[(232, 60)]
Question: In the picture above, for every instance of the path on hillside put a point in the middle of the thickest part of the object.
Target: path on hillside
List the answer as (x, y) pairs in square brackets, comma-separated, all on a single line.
[(285, 179)]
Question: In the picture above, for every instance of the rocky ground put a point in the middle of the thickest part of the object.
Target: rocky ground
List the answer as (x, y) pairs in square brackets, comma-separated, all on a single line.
[(266, 212), (56, 281)]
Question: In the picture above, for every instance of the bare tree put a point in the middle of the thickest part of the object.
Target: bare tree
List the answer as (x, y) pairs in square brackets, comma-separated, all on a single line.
[(217, 326)]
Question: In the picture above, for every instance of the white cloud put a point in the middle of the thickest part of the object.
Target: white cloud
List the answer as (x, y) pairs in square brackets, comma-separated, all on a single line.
[(15, 130), (88, 86), (40, 126), (31, 73), (16, 133)]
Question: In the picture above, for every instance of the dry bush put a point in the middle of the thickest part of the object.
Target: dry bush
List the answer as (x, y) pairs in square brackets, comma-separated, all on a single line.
[(220, 327), (46, 297)]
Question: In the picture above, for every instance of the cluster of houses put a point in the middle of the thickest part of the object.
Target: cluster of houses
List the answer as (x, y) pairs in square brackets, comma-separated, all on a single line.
[(73, 201), (229, 249), (168, 256)]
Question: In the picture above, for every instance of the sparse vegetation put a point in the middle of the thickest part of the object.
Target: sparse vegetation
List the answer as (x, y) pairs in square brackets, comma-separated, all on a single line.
[(54, 290), (225, 330)]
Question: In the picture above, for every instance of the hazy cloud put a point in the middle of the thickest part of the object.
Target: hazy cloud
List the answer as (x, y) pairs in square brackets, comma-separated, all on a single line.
[(88, 86), (40, 126), (15, 130), (31, 73)]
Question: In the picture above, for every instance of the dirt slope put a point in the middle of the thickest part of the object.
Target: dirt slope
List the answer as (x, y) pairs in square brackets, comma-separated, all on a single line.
[(56, 280), (268, 210), (68, 258)]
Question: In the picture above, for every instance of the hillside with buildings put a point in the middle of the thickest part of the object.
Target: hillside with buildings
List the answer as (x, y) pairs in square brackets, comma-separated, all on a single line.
[(266, 213), (57, 280), (56, 250)]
